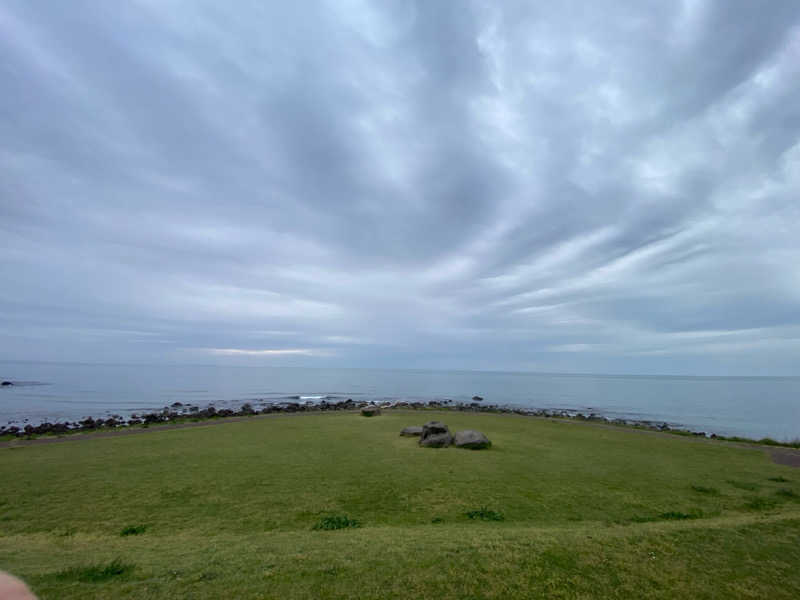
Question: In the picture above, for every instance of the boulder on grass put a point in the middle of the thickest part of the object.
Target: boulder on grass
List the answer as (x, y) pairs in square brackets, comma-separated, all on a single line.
[(436, 440), (370, 411), (435, 434), (434, 427), (471, 439), (411, 431)]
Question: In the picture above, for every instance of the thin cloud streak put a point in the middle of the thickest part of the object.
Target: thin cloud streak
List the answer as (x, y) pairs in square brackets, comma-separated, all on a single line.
[(266, 352)]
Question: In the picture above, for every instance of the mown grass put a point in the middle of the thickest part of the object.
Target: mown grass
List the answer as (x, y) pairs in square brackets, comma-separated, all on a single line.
[(230, 512)]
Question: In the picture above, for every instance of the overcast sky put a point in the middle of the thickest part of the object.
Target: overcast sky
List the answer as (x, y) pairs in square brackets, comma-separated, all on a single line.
[(546, 186)]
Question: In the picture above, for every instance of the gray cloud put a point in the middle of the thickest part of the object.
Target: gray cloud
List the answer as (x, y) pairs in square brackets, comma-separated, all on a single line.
[(581, 187)]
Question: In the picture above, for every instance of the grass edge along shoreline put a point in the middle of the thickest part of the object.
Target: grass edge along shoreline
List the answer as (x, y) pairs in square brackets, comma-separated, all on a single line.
[(179, 414)]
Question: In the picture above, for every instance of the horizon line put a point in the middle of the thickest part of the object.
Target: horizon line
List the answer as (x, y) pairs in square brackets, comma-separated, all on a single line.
[(432, 370)]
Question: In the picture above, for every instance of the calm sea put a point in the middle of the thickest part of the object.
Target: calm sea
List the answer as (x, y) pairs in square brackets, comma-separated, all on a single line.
[(749, 406)]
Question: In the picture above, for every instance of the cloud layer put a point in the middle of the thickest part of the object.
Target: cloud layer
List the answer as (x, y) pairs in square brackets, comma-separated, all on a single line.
[(572, 186)]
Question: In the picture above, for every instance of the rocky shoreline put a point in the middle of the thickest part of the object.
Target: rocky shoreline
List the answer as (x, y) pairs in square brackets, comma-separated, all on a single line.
[(179, 412)]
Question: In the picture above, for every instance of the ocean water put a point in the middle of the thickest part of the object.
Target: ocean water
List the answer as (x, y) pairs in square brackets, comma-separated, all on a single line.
[(747, 406)]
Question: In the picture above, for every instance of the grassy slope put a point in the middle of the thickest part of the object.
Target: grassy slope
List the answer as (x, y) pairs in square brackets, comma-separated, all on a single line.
[(229, 511)]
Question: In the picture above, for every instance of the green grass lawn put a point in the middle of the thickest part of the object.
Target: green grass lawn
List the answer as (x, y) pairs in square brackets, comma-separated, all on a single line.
[(229, 511)]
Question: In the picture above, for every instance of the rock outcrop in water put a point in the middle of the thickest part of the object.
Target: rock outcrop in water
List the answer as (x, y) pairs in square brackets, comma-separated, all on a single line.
[(6, 383)]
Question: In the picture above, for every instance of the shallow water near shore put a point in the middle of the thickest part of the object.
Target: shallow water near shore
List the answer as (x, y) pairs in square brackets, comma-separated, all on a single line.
[(747, 406)]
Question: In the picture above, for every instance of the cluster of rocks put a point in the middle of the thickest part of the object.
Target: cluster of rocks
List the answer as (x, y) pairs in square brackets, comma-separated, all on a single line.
[(178, 411), (575, 415), (435, 434), (175, 412)]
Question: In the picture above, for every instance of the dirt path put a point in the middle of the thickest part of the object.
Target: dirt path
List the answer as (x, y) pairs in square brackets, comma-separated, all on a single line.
[(785, 456)]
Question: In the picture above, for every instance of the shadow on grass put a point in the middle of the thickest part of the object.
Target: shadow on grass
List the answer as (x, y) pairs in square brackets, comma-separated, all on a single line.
[(95, 573), (485, 514), (744, 485), (672, 515), (787, 494), (336, 522), (761, 503), (133, 530), (706, 490)]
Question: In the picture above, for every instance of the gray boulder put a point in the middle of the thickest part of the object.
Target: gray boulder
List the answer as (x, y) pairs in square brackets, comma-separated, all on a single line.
[(434, 427), (474, 440), (411, 431), (436, 440), (435, 434), (370, 411)]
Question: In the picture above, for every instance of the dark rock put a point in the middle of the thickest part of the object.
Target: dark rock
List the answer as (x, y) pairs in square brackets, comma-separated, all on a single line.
[(435, 434), (434, 427), (370, 411), (88, 423), (436, 440), (477, 399), (474, 440), (6, 383), (177, 404), (411, 431)]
